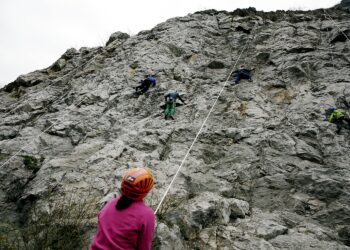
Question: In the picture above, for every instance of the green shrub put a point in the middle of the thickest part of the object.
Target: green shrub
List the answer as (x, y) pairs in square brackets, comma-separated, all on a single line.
[(31, 163), (63, 225)]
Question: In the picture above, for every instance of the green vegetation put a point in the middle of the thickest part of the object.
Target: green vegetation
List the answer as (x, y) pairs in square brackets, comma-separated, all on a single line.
[(170, 204), (61, 225), (31, 163)]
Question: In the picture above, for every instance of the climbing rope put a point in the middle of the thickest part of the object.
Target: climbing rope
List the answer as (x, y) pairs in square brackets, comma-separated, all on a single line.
[(59, 98), (27, 101), (205, 120), (335, 24), (200, 130), (45, 89), (37, 118), (328, 41), (248, 48), (44, 131), (327, 15)]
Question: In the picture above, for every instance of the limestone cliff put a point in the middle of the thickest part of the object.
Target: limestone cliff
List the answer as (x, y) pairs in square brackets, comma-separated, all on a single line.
[(268, 171)]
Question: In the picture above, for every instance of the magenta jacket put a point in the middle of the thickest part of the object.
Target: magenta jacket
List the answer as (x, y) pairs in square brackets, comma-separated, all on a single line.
[(128, 229)]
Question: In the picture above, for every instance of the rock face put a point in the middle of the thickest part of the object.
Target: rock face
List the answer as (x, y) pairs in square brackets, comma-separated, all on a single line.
[(267, 172), (345, 3)]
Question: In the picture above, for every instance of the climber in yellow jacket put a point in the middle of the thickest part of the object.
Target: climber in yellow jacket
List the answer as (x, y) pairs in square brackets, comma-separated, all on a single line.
[(338, 116)]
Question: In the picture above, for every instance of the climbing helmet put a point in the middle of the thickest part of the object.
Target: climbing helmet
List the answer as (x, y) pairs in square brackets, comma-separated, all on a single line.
[(137, 183)]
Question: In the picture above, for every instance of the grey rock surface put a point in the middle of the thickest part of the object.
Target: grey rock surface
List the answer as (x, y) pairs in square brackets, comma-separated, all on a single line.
[(345, 3), (267, 172)]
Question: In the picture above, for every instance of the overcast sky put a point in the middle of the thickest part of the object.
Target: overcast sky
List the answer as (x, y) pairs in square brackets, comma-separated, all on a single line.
[(35, 33)]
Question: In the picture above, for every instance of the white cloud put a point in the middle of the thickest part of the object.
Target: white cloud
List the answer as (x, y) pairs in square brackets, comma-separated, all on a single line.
[(35, 33)]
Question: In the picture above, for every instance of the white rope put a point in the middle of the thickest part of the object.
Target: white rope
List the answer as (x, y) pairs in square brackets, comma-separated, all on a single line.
[(60, 98), (199, 132), (40, 134), (205, 120), (37, 118), (52, 83), (328, 41), (330, 18), (27, 101)]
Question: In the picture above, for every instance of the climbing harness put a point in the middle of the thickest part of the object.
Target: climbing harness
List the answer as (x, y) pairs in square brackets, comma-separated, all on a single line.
[(200, 130)]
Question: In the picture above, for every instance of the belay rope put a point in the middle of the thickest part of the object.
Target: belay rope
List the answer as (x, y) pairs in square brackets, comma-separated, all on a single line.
[(201, 128), (205, 120), (43, 132), (335, 24)]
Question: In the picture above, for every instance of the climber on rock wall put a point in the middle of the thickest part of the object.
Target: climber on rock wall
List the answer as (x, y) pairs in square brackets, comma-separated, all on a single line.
[(145, 84), (126, 222), (170, 103), (242, 73), (338, 117)]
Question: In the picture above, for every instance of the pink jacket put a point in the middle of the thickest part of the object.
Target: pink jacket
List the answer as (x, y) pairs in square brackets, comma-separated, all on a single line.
[(128, 229)]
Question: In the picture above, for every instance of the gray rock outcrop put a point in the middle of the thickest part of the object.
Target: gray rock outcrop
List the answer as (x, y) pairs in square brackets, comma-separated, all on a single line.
[(267, 172), (345, 3)]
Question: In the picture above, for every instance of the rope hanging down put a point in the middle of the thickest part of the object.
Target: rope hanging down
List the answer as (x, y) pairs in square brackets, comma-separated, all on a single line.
[(59, 98), (55, 123), (43, 132), (204, 122), (200, 130), (335, 24)]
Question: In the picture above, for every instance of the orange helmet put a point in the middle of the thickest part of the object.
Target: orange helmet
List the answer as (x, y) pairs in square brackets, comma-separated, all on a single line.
[(137, 183)]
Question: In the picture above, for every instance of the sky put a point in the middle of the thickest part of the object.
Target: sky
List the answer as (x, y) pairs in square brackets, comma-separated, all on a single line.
[(35, 33)]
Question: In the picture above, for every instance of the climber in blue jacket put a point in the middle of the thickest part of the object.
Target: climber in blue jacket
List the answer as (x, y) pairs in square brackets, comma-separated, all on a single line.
[(145, 84), (242, 73)]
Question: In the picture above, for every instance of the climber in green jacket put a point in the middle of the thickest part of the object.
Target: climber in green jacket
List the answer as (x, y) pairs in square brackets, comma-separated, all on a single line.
[(170, 103), (338, 117)]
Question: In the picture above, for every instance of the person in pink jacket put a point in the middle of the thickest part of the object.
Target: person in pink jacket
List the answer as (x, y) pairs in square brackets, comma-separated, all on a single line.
[(126, 222)]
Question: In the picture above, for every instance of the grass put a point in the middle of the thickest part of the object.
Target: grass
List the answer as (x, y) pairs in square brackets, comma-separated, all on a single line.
[(170, 204), (31, 163), (61, 224)]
